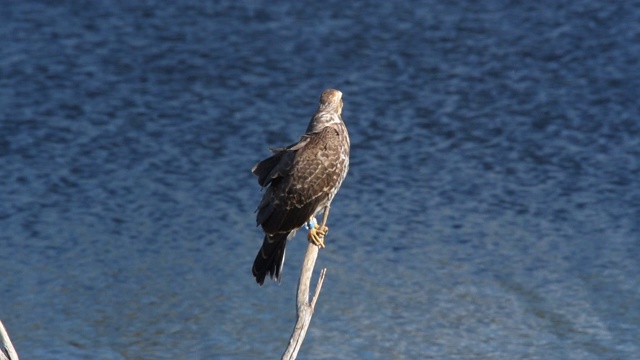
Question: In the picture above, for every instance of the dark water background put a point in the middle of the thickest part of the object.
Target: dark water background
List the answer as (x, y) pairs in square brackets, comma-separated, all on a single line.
[(491, 212)]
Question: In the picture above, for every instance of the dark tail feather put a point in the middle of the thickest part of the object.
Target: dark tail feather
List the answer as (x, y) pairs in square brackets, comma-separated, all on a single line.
[(270, 257)]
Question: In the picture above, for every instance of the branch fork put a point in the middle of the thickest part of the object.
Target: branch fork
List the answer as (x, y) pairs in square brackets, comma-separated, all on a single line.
[(305, 307)]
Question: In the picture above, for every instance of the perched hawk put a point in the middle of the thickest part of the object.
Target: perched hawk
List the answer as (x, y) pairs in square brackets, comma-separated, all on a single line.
[(301, 181)]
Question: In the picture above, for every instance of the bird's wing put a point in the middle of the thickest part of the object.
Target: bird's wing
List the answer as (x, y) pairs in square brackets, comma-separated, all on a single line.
[(299, 181), (279, 164)]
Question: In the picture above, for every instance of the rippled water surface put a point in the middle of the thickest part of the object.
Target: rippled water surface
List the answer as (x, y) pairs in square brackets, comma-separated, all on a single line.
[(491, 210)]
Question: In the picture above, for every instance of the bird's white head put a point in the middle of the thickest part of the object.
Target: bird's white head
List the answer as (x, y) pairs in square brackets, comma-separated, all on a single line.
[(331, 101), (328, 113)]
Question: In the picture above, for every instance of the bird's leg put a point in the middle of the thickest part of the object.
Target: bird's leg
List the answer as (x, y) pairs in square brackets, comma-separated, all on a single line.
[(315, 236), (317, 233)]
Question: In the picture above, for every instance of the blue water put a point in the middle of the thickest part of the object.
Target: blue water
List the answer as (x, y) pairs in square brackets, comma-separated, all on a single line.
[(491, 211)]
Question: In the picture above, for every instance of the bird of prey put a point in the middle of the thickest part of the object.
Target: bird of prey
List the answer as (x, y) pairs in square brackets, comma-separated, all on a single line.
[(300, 181)]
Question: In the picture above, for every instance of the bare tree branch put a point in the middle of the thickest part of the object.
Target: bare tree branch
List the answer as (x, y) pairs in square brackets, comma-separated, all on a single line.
[(304, 307), (7, 352)]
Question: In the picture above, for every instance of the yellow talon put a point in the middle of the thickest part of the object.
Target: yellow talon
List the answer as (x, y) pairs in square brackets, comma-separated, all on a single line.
[(316, 236)]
